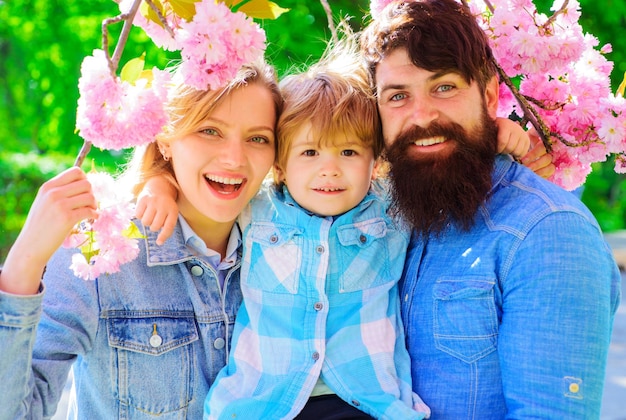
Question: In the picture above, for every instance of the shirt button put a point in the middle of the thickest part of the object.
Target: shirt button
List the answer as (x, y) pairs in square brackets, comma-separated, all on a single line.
[(319, 249), (574, 388), (362, 239), (219, 343), (318, 306), (197, 271), (155, 340), (316, 355), (273, 239), (356, 403)]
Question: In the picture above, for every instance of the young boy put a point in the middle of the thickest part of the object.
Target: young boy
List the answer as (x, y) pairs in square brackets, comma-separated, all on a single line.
[(319, 330)]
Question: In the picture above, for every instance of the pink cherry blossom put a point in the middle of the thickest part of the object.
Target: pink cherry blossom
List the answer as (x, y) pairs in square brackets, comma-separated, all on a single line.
[(103, 243), (113, 114)]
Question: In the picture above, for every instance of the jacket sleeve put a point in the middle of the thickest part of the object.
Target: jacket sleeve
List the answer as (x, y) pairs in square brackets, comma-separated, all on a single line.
[(559, 296), (40, 338)]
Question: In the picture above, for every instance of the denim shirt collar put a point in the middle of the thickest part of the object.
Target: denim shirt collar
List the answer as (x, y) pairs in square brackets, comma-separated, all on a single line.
[(500, 168)]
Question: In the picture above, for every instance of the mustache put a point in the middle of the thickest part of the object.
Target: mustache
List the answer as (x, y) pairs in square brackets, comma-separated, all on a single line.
[(450, 131)]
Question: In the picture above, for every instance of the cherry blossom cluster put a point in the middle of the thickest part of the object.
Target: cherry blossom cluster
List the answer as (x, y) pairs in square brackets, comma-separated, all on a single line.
[(108, 241), (563, 79), (214, 44), (116, 112)]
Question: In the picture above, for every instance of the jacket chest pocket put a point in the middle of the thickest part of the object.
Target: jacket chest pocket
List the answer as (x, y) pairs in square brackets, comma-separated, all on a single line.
[(363, 259), (465, 320), (153, 362), (272, 258)]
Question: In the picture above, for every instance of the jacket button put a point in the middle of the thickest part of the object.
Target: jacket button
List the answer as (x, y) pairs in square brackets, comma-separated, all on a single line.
[(155, 340), (219, 343), (197, 271), (362, 239), (319, 249), (318, 306), (316, 355)]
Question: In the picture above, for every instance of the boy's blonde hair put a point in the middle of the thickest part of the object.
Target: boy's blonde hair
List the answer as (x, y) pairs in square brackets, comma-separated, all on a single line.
[(334, 97), (187, 108)]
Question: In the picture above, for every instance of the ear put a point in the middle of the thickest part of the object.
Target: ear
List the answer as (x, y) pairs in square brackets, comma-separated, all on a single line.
[(492, 94), (376, 169), (279, 175), (164, 148)]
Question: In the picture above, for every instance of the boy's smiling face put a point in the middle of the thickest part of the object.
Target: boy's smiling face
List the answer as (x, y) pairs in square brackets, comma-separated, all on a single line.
[(327, 179)]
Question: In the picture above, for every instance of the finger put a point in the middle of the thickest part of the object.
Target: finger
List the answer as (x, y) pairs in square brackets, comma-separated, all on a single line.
[(140, 208), (158, 220), (148, 217), (546, 172), (535, 153), (168, 228), (543, 166)]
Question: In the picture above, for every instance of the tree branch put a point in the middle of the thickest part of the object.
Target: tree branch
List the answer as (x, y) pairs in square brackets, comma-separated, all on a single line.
[(113, 61)]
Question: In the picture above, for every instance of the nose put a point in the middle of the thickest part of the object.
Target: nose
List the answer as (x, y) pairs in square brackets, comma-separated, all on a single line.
[(233, 153), (423, 112), (329, 167)]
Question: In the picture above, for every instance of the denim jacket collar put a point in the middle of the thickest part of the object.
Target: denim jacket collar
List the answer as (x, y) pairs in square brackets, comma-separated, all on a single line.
[(173, 251)]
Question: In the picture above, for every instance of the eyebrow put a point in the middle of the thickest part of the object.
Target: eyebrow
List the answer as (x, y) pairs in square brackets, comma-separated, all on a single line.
[(222, 122), (434, 76)]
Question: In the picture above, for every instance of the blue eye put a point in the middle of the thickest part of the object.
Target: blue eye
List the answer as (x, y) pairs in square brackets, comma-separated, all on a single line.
[(398, 97)]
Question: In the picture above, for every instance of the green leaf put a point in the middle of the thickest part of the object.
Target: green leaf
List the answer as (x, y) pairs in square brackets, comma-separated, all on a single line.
[(150, 14), (132, 232), (260, 9), (622, 87), (186, 9), (133, 69)]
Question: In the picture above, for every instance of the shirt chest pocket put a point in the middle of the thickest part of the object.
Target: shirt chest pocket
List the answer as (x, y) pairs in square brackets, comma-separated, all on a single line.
[(153, 362), (465, 318), (364, 257), (272, 258)]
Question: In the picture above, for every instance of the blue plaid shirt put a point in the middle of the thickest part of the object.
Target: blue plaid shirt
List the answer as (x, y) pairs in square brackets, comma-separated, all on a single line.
[(320, 300)]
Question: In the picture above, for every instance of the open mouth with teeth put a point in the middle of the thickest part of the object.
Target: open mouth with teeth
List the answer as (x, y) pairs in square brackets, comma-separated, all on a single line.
[(328, 189), (224, 185), (431, 141)]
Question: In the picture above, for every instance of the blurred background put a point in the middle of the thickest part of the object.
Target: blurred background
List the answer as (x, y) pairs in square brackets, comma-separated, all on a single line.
[(43, 42)]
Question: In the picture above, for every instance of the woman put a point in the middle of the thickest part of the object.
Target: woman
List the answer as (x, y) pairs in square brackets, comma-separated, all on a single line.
[(149, 340)]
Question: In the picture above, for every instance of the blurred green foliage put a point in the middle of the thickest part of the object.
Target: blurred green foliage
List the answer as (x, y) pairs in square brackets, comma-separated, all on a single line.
[(43, 42)]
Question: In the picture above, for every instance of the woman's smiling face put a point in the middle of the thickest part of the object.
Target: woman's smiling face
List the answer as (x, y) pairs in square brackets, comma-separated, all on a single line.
[(220, 166)]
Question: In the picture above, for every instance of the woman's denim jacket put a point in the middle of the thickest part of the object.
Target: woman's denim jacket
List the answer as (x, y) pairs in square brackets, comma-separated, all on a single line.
[(144, 343), (513, 318)]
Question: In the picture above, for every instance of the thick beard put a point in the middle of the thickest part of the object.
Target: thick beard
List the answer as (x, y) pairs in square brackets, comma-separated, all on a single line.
[(433, 191)]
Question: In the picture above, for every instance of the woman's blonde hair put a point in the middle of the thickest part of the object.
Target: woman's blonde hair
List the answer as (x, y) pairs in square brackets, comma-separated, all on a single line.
[(187, 108), (334, 97)]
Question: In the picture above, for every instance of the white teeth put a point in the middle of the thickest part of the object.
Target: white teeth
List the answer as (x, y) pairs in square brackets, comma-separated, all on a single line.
[(430, 141), (329, 189), (224, 180)]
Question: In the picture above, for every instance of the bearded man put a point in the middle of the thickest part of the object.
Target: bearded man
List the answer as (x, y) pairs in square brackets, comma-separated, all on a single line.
[(509, 289)]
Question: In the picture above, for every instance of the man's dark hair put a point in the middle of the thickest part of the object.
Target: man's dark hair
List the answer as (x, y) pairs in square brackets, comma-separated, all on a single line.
[(439, 35)]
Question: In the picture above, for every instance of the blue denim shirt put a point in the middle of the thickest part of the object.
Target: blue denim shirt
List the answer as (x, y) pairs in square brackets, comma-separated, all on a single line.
[(512, 319), (320, 299), (146, 342)]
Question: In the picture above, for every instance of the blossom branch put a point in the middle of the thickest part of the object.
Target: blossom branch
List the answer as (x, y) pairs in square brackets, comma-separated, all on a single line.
[(162, 19), (552, 18), (529, 112), (112, 61)]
